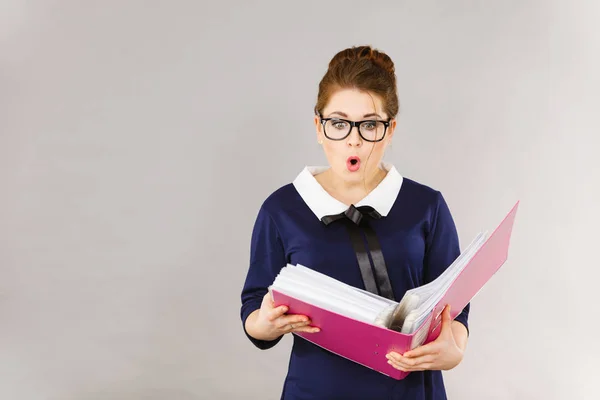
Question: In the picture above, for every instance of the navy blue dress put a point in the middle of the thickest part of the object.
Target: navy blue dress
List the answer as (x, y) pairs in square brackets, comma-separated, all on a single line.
[(418, 239)]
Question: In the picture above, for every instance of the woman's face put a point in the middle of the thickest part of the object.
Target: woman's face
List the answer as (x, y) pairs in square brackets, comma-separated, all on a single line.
[(353, 158)]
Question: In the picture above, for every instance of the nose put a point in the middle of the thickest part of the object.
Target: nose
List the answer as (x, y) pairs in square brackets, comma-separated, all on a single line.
[(354, 139)]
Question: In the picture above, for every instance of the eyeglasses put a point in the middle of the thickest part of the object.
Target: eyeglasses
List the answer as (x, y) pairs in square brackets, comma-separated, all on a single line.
[(369, 130)]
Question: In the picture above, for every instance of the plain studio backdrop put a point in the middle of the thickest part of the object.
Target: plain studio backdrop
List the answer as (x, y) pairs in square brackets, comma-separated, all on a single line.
[(138, 140)]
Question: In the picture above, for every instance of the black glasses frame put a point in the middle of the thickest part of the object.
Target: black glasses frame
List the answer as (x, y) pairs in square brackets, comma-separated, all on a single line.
[(357, 125)]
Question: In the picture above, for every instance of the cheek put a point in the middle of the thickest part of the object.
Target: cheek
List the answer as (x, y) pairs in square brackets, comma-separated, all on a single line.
[(376, 152), (334, 150)]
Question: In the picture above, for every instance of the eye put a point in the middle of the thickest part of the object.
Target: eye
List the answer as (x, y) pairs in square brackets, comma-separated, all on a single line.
[(370, 125), (339, 124)]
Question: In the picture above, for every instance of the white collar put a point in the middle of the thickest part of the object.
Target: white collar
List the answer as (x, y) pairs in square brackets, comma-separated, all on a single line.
[(321, 203)]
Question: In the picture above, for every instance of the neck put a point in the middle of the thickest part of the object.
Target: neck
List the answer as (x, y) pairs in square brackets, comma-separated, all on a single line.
[(351, 192)]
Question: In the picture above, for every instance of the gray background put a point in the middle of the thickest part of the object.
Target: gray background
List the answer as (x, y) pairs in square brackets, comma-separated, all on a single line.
[(139, 138)]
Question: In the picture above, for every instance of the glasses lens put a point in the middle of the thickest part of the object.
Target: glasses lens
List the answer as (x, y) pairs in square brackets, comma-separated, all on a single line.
[(336, 129), (372, 130)]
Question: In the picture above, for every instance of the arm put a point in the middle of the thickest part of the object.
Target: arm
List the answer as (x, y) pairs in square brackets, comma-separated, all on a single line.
[(263, 323), (442, 248), (461, 335), (267, 257)]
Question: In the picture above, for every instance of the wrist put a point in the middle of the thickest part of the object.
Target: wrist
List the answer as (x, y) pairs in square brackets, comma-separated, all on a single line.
[(459, 331), (253, 329), (250, 325)]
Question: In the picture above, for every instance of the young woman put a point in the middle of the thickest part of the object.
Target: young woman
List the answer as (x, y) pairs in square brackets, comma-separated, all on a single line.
[(410, 234)]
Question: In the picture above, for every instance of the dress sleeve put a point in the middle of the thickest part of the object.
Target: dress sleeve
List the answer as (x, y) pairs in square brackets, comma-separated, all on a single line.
[(442, 248), (267, 257)]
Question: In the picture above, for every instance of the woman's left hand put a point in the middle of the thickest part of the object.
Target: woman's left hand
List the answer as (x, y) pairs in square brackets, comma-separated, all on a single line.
[(440, 354)]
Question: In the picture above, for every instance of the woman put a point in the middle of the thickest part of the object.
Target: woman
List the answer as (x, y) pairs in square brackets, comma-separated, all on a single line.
[(413, 239)]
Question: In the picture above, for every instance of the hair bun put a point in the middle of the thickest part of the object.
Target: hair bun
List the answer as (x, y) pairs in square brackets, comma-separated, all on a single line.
[(363, 68), (357, 53)]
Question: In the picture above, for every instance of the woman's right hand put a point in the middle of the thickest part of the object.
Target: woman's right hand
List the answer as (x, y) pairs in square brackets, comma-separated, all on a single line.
[(270, 322)]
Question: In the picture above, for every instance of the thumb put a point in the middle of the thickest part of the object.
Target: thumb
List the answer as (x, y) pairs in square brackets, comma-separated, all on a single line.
[(446, 319), (272, 311), (277, 312), (267, 300)]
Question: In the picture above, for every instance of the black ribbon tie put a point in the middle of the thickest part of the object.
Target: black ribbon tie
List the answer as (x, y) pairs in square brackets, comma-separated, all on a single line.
[(371, 262)]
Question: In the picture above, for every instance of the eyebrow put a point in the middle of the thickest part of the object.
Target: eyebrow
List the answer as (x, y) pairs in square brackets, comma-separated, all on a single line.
[(364, 116)]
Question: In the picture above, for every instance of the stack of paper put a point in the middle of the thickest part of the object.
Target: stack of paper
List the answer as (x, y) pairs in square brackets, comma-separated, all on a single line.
[(406, 316), (417, 303)]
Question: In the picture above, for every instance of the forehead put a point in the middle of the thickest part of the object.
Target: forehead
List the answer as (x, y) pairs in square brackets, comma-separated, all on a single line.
[(354, 103)]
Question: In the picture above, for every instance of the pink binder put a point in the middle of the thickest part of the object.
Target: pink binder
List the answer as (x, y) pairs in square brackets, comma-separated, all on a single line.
[(368, 344)]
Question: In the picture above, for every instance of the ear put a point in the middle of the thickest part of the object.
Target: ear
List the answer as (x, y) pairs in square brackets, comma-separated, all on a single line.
[(390, 131), (318, 129), (392, 127)]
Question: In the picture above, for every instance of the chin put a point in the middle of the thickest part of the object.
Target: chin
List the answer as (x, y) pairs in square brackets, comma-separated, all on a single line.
[(350, 175)]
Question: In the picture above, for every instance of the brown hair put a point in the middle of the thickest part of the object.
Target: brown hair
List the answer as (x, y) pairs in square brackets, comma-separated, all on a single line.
[(363, 68)]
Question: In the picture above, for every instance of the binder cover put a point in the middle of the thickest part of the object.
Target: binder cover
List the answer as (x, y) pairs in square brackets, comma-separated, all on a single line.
[(368, 344)]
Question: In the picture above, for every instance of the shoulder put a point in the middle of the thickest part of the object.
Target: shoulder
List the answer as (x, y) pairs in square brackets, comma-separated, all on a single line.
[(426, 206), (280, 210), (421, 203), (280, 204), (279, 199), (421, 193)]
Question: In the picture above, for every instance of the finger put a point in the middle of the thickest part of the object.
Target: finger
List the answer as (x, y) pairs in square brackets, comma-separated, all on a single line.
[(446, 319), (399, 367), (398, 359), (296, 319), (293, 326), (395, 360), (412, 364), (307, 328), (416, 362), (429, 348), (277, 312)]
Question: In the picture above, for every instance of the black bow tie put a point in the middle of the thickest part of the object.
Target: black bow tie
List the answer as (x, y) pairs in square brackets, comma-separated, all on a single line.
[(354, 214)]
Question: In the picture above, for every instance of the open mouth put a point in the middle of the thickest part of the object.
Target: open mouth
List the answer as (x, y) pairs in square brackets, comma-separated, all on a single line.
[(353, 163)]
